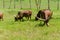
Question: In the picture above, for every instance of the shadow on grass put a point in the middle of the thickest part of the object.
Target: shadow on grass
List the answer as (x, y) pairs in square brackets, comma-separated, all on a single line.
[(39, 25), (32, 20)]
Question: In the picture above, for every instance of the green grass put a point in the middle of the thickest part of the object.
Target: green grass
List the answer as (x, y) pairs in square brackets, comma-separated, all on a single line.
[(28, 30)]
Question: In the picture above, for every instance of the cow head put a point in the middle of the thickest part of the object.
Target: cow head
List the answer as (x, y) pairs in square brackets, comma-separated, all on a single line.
[(38, 15)]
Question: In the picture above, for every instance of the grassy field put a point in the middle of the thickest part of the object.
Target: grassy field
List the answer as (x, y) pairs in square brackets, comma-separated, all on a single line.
[(29, 30)]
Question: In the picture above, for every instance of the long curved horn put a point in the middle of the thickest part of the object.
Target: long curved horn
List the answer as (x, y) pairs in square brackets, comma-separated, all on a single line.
[(40, 19)]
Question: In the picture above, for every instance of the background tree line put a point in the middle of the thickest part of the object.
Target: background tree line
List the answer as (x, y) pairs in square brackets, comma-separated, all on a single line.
[(37, 3)]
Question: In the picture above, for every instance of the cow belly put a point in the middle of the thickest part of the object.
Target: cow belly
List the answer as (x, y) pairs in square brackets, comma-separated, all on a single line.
[(25, 14)]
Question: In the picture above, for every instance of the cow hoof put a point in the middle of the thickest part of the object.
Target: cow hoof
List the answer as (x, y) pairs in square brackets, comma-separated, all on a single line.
[(47, 25)]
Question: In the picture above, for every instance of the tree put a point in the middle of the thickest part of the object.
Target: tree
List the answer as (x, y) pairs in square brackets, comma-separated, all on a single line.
[(21, 4), (3, 3), (39, 1), (57, 4), (10, 4), (30, 3), (36, 2), (14, 3), (48, 4)]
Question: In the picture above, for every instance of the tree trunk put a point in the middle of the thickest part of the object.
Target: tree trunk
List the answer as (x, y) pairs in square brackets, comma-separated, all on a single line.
[(36, 2), (30, 3), (10, 4), (14, 4), (39, 1), (57, 4), (3, 3), (48, 4), (20, 4)]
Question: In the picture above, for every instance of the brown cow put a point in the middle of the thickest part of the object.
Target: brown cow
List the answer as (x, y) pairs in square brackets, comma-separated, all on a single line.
[(44, 15), (1, 16), (23, 13)]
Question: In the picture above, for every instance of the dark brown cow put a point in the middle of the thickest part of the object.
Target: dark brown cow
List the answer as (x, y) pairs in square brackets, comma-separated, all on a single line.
[(23, 13), (44, 15), (1, 16)]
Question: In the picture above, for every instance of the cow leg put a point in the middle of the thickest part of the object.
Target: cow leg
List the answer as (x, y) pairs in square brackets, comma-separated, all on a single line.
[(47, 22), (30, 17), (21, 19), (2, 19)]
